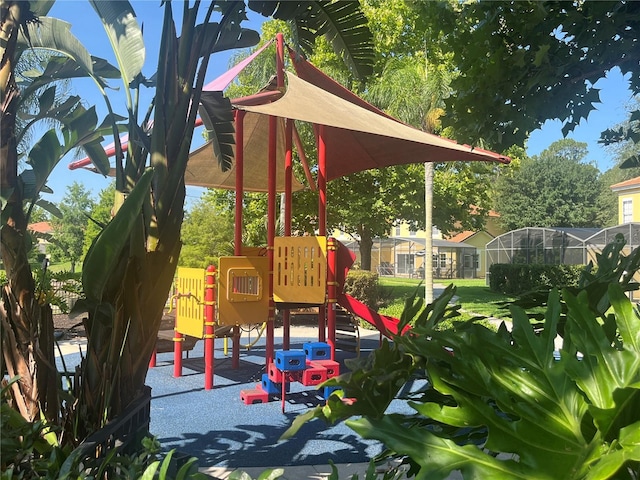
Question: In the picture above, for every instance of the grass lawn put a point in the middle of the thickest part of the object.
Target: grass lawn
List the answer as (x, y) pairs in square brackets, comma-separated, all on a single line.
[(472, 294)]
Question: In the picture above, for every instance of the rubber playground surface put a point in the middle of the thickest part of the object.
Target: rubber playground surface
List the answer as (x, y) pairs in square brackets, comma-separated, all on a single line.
[(221, 431)]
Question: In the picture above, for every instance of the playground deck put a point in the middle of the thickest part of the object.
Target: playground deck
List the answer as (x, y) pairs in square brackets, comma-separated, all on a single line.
[(225, 434)]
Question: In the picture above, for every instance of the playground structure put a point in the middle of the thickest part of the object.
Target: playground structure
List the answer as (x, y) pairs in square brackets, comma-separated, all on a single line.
[(211, 303), (351, 136)]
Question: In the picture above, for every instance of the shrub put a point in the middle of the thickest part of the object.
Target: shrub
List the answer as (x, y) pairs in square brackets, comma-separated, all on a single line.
[(515, 279), (363, 286)]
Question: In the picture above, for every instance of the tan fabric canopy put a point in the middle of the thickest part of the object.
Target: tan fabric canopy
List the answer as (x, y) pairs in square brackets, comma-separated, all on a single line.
[(359, 139), (203, 169)]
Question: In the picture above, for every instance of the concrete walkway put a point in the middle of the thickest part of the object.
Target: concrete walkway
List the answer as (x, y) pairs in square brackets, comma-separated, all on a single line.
[(302, 472), (310, 472)]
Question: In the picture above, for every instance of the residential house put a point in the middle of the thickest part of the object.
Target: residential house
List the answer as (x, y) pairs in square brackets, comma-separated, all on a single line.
[(403, 252), (41, 231), (628, 200), (479, 240)]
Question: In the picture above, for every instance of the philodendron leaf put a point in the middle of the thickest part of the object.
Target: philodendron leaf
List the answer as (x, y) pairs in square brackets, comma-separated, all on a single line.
[(271, 474), (607, 464), (602, 368), (627, 319), (623, 406), (439, 457), (101, 259)]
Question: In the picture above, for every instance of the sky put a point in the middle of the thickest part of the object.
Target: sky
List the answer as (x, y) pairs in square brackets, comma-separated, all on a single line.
[(88, 29), (614, 96), (86, 26)]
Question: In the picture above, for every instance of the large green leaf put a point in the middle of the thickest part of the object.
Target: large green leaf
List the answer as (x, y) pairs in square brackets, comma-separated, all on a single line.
[(619, 454), (55, 34), (217, 117), (497, 385), (345, 26), (439, 457), (41, 8), (49, 207), (125, 36), (101, 259), (342, 23), (627, 319), (44, 156), (601, 369), (227, 39)]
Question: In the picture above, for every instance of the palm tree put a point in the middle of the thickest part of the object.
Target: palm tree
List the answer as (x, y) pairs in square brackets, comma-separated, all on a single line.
[(414, 91)]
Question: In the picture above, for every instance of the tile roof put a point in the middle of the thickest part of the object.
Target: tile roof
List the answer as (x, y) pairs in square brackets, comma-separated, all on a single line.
[(40, 227), (633, 182)]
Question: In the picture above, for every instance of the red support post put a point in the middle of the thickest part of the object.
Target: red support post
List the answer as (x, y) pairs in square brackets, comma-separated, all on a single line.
[(271, 232), (332, 294), (239, 160), (209, 326), (177, 353), (322, 214), (288, 196), (322, 182), (280, 59), (237, 233), (152, 361), (271, 202)]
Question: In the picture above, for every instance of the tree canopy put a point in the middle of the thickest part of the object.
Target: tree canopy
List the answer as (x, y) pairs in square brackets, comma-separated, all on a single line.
[(522, 63), (554, 189), (101, 212), (207, 232), (69, 230)]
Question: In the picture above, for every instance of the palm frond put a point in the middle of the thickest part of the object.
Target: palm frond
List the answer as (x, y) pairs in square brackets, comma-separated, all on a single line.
[(342, 23)]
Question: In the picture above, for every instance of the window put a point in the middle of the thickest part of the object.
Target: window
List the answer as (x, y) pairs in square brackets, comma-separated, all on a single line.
[(440, 261), (627, 210), (398, 231), (471, 261), (404, 263), (412, 233)]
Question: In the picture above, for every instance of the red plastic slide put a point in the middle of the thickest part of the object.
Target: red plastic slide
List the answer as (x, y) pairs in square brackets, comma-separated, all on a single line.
[(386, 325)]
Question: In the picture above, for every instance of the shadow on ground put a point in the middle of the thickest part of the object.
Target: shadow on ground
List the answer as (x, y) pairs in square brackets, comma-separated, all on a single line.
[(220, 430)]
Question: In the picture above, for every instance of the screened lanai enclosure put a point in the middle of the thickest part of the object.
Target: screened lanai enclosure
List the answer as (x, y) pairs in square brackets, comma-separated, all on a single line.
[(553, 246), (405, 257)]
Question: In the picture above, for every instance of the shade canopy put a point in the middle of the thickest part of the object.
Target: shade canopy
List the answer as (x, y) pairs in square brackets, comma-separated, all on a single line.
[(359, 138), (203, 168)]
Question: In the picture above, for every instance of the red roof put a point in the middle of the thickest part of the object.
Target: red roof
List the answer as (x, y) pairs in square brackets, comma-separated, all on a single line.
[(634, 182), (40, 227), (462, 236)]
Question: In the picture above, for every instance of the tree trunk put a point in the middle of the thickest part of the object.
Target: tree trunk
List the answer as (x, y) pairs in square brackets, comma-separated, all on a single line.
[(428, 239), (366, 245), (26, 325)]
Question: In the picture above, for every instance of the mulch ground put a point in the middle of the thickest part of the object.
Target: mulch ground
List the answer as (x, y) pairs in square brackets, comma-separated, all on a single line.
[(68, 328)]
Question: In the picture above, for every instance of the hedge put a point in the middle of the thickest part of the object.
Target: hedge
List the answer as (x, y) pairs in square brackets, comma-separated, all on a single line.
[(515, 279), (363, 286)]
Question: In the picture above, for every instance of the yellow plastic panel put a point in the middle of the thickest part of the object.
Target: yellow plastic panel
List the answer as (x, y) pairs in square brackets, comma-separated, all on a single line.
[(243, 296), (300, 269), (190, 301)]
